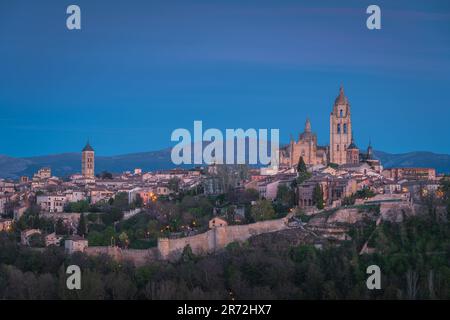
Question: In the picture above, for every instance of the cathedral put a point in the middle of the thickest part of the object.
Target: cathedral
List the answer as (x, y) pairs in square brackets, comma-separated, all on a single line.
[(306, 147), (342, 148)]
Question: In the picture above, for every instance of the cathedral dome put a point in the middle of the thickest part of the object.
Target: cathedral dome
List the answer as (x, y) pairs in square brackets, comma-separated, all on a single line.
[(307, 134), (370, 151), (352, 145)]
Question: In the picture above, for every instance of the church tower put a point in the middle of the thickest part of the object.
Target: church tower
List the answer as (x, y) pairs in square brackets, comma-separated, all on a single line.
[(87, 161), (340, 129)]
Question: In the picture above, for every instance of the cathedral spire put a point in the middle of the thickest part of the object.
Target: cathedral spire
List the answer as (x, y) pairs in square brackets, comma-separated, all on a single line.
[(341, 98), (308, 125)]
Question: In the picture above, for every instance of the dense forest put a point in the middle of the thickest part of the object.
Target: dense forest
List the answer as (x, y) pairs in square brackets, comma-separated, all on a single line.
[(414, 257)]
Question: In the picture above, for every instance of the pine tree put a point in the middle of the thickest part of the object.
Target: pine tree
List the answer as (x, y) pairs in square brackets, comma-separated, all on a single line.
[(302, 171), (318, 197), (82, 228), (301, 166)]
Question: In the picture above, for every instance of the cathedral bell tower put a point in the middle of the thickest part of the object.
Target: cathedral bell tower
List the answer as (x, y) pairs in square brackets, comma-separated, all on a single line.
[(340, 129)]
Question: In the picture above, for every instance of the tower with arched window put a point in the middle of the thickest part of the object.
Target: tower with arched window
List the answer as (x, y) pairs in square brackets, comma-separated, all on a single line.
[(87, 161), (340, 129)]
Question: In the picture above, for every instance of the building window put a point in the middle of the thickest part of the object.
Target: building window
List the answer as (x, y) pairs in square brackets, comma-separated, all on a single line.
[(337, 147), (345, 128), (339, 128), (341, 113)]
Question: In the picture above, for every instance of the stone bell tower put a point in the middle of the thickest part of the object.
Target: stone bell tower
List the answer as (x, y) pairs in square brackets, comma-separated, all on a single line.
[(87, 161), (340, 129)]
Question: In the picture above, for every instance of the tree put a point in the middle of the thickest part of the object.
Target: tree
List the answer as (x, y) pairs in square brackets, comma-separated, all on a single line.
[(333, 165), (138, 201), (252, 194), (318, 197), (174, 184), (105, 175), (60, 227), (302, 172), (364, 193), (120, 286), (285, 195), (123, 237), (301, 166), (263, 210), (445, 193), (240, 196), (412, 284), (108, 218), (121, 201), (79, 206), (348, 201), (82, 227), (153, 229), (229, 175), (187, 254), (36, 240), (231, 214), (92, 217)]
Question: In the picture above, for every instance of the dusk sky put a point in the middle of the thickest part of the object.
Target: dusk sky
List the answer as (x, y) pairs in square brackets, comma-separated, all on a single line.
[(140, 69)]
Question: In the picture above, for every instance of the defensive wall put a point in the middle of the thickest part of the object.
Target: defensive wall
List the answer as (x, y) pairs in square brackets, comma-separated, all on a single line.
[(137, 256), (216, 238)]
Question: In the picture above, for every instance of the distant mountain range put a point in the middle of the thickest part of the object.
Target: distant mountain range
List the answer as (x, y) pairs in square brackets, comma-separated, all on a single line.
[(440, 162), (68, 163)]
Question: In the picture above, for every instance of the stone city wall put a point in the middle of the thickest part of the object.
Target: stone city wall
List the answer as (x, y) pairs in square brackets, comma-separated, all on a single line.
[(204, 243), (138, 257), (216, 239)]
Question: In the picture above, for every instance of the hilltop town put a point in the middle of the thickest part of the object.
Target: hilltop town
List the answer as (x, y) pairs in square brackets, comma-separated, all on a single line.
[(144, 216)]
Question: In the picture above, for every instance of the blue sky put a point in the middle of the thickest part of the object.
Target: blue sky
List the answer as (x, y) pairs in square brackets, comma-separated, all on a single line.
[(140, 69)]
